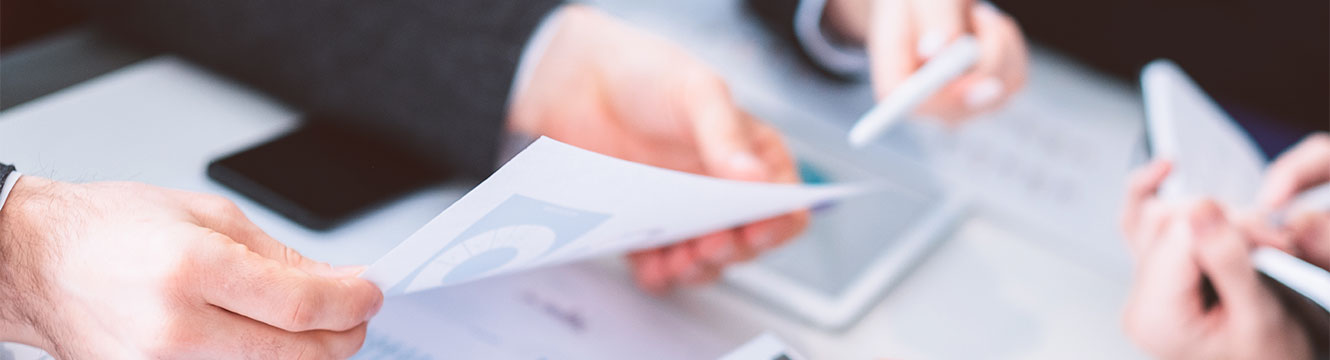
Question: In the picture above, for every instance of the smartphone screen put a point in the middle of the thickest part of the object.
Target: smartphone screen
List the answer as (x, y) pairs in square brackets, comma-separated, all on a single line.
[(321, 175)]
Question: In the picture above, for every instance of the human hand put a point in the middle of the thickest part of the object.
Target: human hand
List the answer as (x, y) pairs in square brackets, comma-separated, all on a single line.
[(1306, 232), (609, 88), (124, 270), (1309, 235), (1304, 166), (1167, 314), (1175, 247), (901, 35)]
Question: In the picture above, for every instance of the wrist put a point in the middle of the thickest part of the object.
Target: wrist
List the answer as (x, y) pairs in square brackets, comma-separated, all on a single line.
[(21, 259), (532, 54), (560, 59)]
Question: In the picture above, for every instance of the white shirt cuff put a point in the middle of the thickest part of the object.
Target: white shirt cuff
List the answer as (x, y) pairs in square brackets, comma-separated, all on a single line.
[(836, 58), (533, 51), (7, 187), (512, 143)]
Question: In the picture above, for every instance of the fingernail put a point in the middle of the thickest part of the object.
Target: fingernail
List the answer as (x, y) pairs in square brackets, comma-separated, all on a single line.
[(930, 44), (983, 93)]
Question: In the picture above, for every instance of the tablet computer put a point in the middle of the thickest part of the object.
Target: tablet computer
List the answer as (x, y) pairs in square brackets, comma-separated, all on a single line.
[(855, 249)]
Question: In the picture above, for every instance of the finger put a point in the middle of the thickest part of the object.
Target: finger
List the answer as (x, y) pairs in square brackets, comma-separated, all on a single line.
[(708, 275), (1157, 217), (234, 336), (1303, 167), (649, 270), (1000, 71), (983, 86), (722, 131), (1224, 257), (1171, 271), (891, 45), (223, 216), (771, 233), (1256, 226), (705, 272), (717, 249), (938, 23), (276, 294), (1167, 286), (1310, 233), (681, 263), (783, 169), (1141, 187), (743, 251), (774, 154)]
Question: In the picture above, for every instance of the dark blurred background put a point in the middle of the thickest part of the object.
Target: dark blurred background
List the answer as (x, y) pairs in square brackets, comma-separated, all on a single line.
[(1267, 62), (24, 20)]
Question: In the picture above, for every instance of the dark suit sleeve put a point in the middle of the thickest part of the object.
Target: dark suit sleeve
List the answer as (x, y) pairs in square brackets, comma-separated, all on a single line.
[(433, 75)]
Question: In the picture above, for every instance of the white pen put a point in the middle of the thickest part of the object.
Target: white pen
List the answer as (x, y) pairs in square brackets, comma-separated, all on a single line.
[(949, 64)]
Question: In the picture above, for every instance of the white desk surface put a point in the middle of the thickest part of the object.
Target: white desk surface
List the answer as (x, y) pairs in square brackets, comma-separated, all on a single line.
[(999, 288)]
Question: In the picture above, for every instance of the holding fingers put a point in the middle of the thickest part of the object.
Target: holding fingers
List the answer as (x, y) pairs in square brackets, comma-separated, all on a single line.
[(902, 35), (1181, 249), (1303, 167), (607, 87), (1168, 315), (141, 272)]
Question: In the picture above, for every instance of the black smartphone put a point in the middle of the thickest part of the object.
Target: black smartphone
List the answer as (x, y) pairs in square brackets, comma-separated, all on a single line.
[(322, 175)]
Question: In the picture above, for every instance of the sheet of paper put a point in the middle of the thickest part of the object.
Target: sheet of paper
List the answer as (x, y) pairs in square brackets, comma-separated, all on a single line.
[(572, 311), (1211, 155), (555, 203)]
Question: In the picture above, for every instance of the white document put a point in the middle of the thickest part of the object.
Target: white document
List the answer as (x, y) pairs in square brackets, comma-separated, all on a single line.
[(1213, 157), (555, 203), (573, 311)]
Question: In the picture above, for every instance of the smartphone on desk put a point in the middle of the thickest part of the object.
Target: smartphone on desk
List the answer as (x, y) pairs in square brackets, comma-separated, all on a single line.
[(322, 175)]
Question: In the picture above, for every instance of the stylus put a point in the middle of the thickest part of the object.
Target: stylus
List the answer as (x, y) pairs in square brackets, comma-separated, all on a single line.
[(1305, 278), (949, 64)]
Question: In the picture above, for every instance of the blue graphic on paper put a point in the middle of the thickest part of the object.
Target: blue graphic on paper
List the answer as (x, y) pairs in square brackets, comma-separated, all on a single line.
[(520, 230)]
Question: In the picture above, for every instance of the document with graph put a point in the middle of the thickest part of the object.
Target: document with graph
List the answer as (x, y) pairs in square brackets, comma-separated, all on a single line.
[(554, 203)]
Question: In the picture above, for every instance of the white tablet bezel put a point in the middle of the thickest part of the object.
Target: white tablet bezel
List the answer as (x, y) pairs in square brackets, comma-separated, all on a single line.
[(882, 272)]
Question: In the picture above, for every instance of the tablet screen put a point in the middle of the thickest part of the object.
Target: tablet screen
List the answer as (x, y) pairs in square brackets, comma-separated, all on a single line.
[(843, 239)]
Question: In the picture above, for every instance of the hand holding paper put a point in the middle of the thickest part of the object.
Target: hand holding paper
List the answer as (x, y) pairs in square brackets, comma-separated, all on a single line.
[(555, 203), (608, 87)]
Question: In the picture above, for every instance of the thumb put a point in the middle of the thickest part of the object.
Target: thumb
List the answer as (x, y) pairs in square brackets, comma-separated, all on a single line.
[(1224, 256), (1310, 234), (1306, 165), (723, 133)]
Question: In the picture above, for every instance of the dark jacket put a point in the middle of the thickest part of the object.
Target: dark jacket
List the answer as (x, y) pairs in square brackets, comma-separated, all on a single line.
[(432, 75)]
